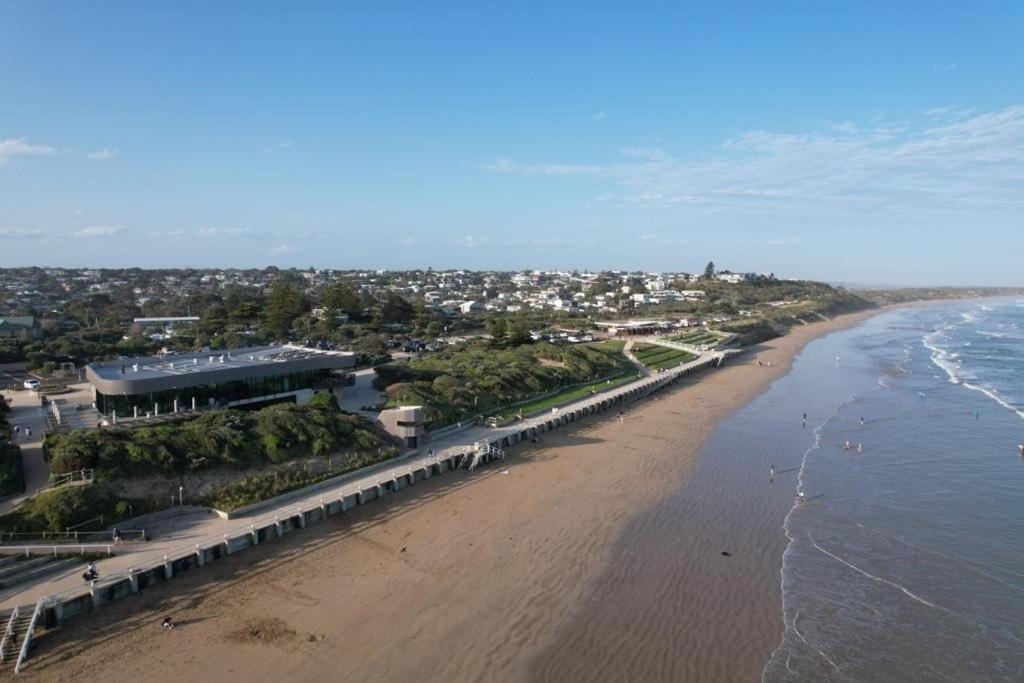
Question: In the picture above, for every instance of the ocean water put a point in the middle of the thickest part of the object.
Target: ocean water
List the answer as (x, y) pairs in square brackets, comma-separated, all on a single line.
[(905, 557)]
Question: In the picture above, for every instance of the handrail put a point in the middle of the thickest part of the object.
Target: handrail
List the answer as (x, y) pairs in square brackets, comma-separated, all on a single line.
[(650, 381), (28, 637), (52, 548), (8, 631)]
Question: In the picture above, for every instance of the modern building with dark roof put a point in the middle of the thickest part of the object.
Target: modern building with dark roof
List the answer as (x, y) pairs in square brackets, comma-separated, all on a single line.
[(135, 387)]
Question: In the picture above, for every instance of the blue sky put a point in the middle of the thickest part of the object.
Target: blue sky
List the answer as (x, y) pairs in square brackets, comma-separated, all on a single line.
[(865, 142)]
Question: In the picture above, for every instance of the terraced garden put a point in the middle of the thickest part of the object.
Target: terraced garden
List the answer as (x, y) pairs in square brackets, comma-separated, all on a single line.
[(697, 337), (660, 357)]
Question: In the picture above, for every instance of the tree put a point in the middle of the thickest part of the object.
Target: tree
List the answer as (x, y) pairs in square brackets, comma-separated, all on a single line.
[(340, 297), (498, 329), (284, 304), (396, 310), (518, 332), (709, 270)]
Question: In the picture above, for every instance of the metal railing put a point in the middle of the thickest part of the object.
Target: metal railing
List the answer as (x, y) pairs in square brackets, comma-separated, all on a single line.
[(86, 476), (7, 632), (28, 638), (68, 537)]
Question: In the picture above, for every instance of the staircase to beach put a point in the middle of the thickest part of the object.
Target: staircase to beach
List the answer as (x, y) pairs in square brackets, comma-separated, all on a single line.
[(15, 623)]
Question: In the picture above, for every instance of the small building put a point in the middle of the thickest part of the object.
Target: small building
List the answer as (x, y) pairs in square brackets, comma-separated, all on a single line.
[(133, 387), (405, 423), (625, 327), (20, 328), (321, 313)]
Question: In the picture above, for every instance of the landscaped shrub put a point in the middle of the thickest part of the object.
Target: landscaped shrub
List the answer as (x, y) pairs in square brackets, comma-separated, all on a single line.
[(221, 439), (477, 378), (266, 485)]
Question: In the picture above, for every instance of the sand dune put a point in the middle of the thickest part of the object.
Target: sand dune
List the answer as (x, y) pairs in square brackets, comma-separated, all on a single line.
[(570, 566)]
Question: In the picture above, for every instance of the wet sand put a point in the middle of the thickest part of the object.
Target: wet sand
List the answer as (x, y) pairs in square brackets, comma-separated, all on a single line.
[(553, 565)]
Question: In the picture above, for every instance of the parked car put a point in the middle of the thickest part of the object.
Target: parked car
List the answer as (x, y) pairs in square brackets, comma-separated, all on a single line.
[(32, 384)]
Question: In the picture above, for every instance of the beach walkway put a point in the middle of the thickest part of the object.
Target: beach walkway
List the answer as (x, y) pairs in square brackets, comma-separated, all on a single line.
[(191, 539), (26, 412)]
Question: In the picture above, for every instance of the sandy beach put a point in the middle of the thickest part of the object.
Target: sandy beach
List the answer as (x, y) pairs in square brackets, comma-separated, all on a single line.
[(544, 567)]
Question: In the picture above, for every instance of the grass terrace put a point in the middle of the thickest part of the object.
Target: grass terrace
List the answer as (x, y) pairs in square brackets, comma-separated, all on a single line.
[(660, 357), (698, 337)]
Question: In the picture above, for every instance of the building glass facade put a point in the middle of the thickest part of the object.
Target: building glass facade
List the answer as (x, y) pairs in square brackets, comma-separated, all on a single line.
[(206, 395)]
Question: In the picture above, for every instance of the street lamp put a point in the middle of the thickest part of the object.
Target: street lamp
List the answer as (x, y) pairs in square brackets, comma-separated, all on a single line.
[(181, 492)]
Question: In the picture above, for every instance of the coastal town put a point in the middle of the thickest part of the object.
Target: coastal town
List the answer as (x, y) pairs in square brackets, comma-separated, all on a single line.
[(313, 381)]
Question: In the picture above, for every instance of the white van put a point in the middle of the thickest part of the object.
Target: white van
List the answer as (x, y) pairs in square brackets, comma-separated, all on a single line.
[(32, 384)]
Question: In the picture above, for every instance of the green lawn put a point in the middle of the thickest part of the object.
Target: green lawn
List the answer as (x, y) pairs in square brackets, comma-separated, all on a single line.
[(660, 357), (697, 337), (568, 395), (613, 345)]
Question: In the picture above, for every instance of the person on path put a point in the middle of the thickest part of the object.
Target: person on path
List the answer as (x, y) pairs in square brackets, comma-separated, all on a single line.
[(168, 623), (117, 536)]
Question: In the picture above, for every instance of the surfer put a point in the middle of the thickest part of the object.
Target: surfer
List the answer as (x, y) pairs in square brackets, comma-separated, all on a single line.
[(862, 423), (847, 446), (860, 448), (771, 472)]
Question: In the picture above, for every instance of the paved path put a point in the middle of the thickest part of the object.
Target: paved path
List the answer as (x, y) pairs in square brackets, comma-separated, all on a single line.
[(362, 393), (26, 411), (178, 534)]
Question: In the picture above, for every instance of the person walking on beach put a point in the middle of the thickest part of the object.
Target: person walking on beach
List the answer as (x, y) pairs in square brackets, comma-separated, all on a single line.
[(168, 623), (621, 418)]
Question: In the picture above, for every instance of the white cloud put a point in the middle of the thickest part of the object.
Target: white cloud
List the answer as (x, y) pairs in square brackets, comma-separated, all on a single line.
[(470, 241), (224, 232), (277, 148), (283, 249), (952, 163), (98, 231), (12, 147), (649, 236), (24, 233), (102, 154), (599, 116)]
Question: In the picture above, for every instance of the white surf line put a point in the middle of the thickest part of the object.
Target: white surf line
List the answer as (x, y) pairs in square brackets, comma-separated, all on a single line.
[(797, 631), (953, 558), (877, 578)]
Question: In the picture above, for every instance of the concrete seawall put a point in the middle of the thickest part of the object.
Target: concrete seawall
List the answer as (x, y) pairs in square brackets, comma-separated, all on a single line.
[(336, 496)]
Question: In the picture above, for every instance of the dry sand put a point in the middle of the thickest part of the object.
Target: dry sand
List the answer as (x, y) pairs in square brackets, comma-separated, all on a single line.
[(533, 569)]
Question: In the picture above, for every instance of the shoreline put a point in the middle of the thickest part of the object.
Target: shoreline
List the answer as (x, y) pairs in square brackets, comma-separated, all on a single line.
[(495, 566)]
